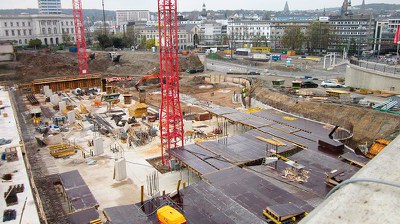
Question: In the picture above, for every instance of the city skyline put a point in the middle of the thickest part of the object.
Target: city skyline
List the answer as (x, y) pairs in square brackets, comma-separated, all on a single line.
[(189, 6)]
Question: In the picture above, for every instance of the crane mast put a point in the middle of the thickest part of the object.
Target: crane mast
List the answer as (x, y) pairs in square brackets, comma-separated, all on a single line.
[(80, 37), (171, 118)]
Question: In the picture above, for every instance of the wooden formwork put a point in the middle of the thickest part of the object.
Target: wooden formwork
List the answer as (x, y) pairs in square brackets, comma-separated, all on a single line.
[(63, 83)]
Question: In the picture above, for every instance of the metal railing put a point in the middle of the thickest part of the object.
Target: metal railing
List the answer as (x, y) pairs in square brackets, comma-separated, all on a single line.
[(377, 66)]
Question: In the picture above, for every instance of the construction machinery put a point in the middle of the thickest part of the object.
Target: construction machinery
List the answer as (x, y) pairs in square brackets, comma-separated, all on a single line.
[(80, 37), (114, 56), (147, 79), (171, 118)]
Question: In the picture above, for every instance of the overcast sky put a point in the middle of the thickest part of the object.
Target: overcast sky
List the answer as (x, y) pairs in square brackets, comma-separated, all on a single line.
[(189, 5)]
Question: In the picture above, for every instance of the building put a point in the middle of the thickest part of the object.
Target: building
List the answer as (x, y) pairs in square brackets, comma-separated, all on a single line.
[(244, 33), (213, 33), (352, 30), (49, 6), (384, 35), (278, 28), (186, 35), (125, 16), (50, 29)]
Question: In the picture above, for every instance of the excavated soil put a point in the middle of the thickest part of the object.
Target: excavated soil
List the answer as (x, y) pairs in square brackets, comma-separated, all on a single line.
[(366, 124), (38, 65)]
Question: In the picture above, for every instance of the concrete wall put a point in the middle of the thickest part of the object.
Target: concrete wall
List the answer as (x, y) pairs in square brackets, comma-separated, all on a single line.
[(358, 77), (365, 202), (6, 49)]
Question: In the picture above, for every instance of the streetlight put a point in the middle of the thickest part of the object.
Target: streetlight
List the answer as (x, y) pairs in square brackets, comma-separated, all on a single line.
[(359, 41)]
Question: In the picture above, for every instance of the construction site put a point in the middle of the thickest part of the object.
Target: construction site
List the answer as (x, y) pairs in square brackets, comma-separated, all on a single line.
[(139, 140)]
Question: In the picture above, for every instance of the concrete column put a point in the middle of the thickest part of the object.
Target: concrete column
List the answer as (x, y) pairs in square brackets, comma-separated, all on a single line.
[(98, 146), (45, 90), (54, 99), (120, 169), (71, 116), (62, 105)]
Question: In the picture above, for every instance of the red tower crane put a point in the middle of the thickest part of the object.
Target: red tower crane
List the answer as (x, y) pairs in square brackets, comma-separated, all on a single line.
[(171, 119), (80, 37)]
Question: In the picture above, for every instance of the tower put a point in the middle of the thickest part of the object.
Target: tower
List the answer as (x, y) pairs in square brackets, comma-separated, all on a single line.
[(363, 7), (171, 118), (204, 11), (345, 10), (286, 9), (80, 36)]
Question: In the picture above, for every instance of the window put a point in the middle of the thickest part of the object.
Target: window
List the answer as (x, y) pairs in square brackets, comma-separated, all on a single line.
[(62, 23), (48, 22), (19, 32), (23, 23), (5, 24), (67, 30), (55, 30), (11, 24), (54, 22), (7, 34), (72, 30), (62, 30), (42, 22), (20, 41), (43, 31), (49, 30), (29, 23), (24, 32), (17, 23), (30, 32), (26, 41)]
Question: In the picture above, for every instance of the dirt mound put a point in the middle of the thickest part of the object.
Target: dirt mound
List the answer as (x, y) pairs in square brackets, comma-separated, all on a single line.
[(366, 124), (189, 62)]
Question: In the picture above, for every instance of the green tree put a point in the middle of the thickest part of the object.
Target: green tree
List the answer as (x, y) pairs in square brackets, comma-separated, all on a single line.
[(104, 41), (117, 42), (352, 47), (66, 39), (319, 37), (150, 43), (36, 43), (293, 38)]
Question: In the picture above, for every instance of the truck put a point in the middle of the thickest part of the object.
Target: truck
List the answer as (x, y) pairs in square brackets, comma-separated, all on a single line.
[(260, 57), (212, 50)]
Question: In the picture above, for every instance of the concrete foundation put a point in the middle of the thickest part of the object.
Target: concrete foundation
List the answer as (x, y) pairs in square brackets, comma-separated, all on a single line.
[(363, 78)]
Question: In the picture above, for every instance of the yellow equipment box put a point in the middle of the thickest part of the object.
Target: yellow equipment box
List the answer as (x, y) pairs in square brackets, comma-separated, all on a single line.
[(169, 215)]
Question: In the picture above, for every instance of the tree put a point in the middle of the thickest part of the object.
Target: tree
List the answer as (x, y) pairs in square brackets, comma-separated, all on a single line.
[(36, 43), (293, 38), (150, 43), (117, 42), (352, 47), (319, 37), (104, 41), (66, 39)]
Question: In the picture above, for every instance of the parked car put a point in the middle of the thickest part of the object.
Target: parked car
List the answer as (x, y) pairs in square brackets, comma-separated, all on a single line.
[(195, 70), (253, 73), (330, 83), (308, 84)]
